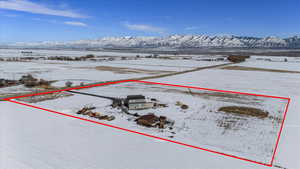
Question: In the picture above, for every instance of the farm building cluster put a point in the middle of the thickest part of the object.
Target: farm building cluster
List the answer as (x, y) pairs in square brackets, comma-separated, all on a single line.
[(128, 104)]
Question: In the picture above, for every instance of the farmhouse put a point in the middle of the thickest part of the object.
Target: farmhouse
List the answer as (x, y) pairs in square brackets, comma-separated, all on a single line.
[(137, 102)]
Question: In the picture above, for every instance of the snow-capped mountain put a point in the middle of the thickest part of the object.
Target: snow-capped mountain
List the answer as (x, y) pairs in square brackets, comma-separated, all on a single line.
[(174, 41)]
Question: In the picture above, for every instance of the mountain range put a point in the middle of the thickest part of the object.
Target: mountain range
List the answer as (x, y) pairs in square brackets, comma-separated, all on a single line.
[(173, 41)]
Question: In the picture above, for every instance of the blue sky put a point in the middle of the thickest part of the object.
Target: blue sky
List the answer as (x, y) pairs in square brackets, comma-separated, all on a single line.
[(63, 20)]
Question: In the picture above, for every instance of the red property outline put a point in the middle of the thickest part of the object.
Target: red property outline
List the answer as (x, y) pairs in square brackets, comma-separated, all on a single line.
[(148, 135)]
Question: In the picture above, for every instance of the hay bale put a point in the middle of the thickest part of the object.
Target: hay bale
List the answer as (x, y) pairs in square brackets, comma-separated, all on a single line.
[(92, 114), (184, 106), (104, 117), (97, 114)]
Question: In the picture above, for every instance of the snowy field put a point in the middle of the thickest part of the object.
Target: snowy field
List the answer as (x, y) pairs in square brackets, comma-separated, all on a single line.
[(92, 71), (269, 83), (275, 63), (72, 53), (201, 125), (34, 139)]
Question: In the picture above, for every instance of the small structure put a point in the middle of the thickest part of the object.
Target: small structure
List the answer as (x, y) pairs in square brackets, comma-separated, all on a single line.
[(151, 120), (137, 102)]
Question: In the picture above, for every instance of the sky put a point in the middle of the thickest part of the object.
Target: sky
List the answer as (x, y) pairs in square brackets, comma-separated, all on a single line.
[(65, 20)]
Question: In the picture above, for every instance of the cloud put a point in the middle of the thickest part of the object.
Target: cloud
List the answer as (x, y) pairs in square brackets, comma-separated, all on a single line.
[(74, 23), (145, 28), (31, 7), (191, 28)]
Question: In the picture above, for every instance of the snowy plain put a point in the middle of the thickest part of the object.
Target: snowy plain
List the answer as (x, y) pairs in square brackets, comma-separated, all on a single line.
[(72, 53), (38, 139), (268, 83), (275, 63), (90, 71), (201, 125)]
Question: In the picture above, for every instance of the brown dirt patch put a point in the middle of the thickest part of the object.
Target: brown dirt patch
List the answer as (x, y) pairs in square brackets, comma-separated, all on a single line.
[(44, 97), (257, 69), (249, 111), (124, 70)]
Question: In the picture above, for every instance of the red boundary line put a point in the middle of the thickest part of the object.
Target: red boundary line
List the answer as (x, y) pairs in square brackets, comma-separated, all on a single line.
[(144, 134)]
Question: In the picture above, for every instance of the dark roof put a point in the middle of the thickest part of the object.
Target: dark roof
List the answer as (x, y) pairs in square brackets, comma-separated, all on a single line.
[(129, 97)]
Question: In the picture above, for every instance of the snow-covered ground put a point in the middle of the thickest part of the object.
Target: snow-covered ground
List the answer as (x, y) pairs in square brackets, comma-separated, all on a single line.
[(71, 53), (89, 71), (274, 58), (164, 64), (269, 83), (62, 72), (275, 62), (201, 125), (34, 139), (15, 90)]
